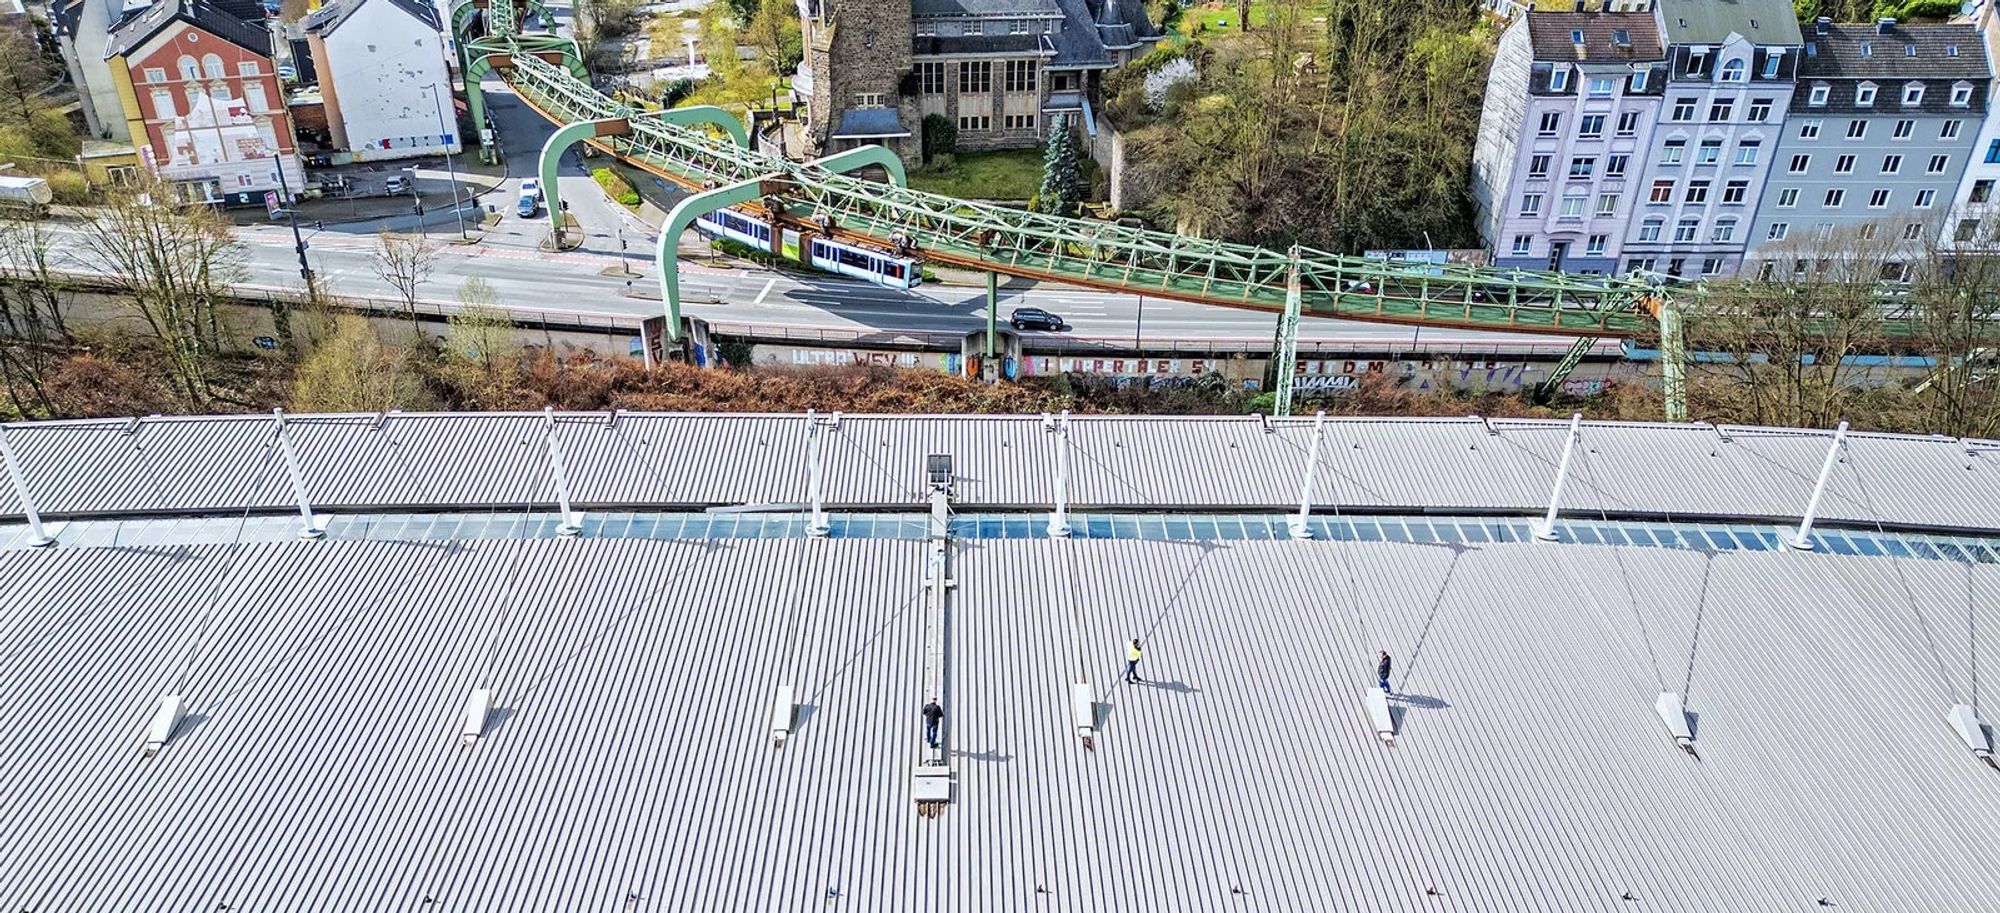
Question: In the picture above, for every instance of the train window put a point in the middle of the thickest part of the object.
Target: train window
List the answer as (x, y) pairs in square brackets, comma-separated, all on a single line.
[(763, 232), (892, 269), (819, 249), (855, 258)]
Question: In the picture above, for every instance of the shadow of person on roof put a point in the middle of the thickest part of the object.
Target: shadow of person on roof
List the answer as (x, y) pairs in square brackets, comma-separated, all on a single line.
[(1177, 687), (990, 755), (1418, 701)]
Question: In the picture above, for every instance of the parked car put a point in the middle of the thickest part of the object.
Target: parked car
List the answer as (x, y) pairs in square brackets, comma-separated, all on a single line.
[(1036, 319), (397, 183), (531, 198)]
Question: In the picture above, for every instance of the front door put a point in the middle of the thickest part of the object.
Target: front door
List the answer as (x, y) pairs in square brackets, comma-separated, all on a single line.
[(1557, 251)]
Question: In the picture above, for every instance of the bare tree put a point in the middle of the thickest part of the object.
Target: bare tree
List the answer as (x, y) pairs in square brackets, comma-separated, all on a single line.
[(352, 370), (406, 264), (176, 263), (31, 316)]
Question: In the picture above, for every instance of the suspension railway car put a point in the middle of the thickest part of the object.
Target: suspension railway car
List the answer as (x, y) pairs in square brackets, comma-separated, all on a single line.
[(863, 263)]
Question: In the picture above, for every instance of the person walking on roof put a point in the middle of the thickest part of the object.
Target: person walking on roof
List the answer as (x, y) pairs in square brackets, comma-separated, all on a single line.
[(933, 715), (1382, 671), (1132, 663)]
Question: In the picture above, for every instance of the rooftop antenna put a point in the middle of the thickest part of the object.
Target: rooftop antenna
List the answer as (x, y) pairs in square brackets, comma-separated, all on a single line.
[(1802, 540), (312, 526), (1298, 525), (818, 427), (38, 537), (1546, 532), (572, 521), (1059, 521)]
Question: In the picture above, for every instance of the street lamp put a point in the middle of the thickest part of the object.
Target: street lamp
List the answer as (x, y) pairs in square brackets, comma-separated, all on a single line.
[(417, 202), (445, 133)]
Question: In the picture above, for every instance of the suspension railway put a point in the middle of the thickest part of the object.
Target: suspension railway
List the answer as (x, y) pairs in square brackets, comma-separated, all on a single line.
[(708, 152)]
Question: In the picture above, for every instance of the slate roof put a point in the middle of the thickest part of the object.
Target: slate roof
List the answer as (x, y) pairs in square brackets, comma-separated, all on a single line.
[(983, 8), (327, 19), (1839, 54), (1711, 22), (860, 123), (1551, 32), (215, 18)]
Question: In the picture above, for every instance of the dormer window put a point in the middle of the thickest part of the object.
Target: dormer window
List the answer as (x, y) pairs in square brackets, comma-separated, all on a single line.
[(1913, 94), (1819, 93), (1621, 38), (1575, 36), (1733, 70), (1771, 59), (1961, 94), (1697, 61), (1865, 95), (1559, 80), (1639, 72), (1951, 50), (1909, 50), (1867, 49)]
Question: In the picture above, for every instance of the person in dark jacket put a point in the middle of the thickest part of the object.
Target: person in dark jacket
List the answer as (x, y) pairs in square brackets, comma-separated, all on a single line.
[(1382, 671), (933, 715)]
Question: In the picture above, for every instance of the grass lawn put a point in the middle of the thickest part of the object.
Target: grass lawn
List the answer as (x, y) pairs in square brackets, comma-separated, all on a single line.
[(1011, 175), (1213, 19)]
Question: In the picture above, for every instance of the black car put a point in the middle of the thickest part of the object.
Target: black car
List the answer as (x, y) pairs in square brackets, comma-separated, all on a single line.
[(1036, 319)]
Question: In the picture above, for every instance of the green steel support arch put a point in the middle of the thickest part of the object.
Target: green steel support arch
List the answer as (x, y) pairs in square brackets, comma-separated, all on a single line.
[(708, 116), (667, 254), (1673, 362), (860, 157), (559, 142)]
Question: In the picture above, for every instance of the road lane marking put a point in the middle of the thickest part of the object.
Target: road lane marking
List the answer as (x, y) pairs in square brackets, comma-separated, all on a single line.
[(767, 290)]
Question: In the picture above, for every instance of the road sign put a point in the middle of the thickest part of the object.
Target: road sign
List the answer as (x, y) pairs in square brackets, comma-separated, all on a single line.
[(271, 203)]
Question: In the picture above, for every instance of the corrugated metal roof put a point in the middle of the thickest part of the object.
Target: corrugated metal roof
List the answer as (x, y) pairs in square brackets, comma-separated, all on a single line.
[(628, 767), (468, 460)]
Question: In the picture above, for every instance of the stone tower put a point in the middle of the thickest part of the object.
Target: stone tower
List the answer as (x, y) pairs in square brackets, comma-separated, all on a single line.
[(857, 69)]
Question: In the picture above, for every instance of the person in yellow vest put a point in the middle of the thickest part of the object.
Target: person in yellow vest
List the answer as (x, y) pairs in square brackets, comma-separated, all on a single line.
[(1132, 662)]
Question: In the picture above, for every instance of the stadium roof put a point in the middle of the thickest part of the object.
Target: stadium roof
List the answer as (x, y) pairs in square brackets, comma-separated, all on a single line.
[(629, 765)]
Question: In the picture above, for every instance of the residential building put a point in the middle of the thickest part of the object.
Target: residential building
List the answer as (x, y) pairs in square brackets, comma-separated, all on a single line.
[(1729, 85), (1002, 71), (383, 78), (83, 32), (1571, 101), (1974, 221), (202, 102), (1882, 123)]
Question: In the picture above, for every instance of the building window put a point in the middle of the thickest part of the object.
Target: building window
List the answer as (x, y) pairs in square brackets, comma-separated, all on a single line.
[(1937, 164), (1760, 110), (1602, 86), (1697, 62), (1607, 204), (1711, 266), (1857, 129), (1746, 152), (1687, 230), (1867, 231), (156, 74), (247, 68), (868, 100), (975, 77), (1021, 76), (1800, 163), (1559, 80), (1683, 109), (1993, 153), (1018, 122), (212, 66), (1017, 27), (1639, 72), (1925, 198), (1595, 246), (1818, 97), (1697, 192), (254, 98), (1670, 154), (1878, 198), (974, 123), (1949, 130), (1538, 166), (1592, 126), (1721, 108), (1961, 95), (1981, 192), (1614, 166), (1710, 152), (1788, 198), (1733, 71), (189, 69), (1771, 64), (1550, 121), (1864, 95), (930, 78), (1628, 123), (1531, 203), (1582, 166), (1809, 129), (1913, 94), (1522, 244), (1903, 128), (1725, 229), (1734, 192), (1834, 197), (1663, 192), (926, 28), (1892, 164), (1641, 264), (1650, 229), (163, 105), (1572, 203), (1777, 232), (1843, 165), (1967, 228)]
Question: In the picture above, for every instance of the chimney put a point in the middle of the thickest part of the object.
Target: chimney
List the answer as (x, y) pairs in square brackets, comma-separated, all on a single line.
[(1820, 25), (1884, 25)]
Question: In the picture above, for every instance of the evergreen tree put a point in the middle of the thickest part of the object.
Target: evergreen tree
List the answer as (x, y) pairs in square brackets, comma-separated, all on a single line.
[(1062, 173)]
